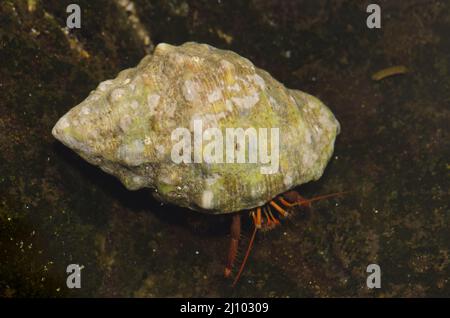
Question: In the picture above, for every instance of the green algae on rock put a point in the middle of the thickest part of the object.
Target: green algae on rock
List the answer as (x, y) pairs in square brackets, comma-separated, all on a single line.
[(126, 128)]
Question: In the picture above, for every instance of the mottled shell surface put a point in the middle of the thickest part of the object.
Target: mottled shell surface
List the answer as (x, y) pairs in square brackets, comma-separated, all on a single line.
[(124, 126)]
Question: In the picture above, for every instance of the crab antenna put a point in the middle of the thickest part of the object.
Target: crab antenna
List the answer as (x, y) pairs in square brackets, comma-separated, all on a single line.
[(321, 197), (247, 253)]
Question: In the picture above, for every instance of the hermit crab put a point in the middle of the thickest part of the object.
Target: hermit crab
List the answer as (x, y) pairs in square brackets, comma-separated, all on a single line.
[(207, 130)]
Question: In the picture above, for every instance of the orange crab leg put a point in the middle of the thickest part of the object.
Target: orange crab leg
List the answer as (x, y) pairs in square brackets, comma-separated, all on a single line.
[(294, 197), (278, 208), (258, 218), (268, 219), (253, 215), (274, 219), (234, 243), (285, 203)]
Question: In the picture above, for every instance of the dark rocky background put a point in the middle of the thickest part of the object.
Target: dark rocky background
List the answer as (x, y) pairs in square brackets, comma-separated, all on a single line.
[(393, 152)]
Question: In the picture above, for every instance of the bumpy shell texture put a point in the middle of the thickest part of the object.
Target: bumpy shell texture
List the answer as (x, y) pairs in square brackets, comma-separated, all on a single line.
[(126, 128)]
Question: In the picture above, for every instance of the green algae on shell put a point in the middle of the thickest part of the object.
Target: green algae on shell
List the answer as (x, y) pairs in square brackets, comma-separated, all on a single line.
[(125, 127)]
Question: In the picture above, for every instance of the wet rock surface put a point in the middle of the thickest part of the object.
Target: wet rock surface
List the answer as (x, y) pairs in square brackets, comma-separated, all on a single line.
[(392, 153)]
